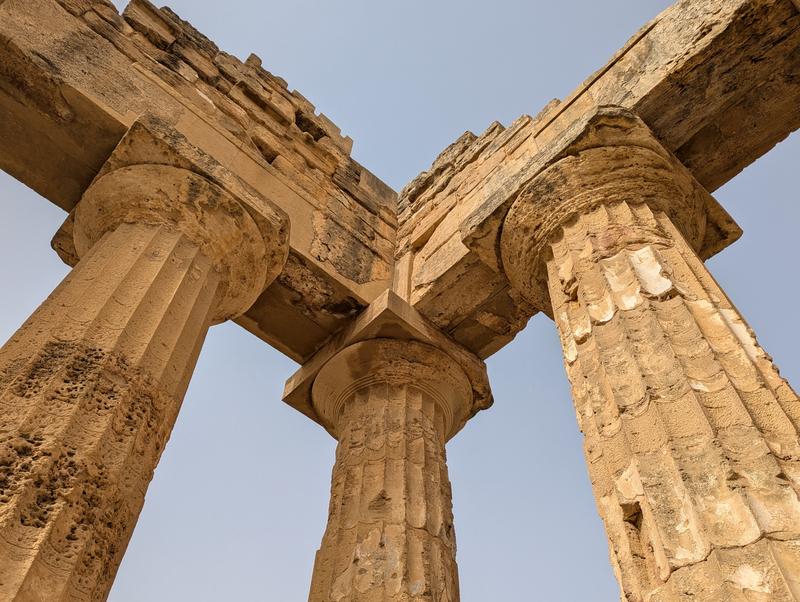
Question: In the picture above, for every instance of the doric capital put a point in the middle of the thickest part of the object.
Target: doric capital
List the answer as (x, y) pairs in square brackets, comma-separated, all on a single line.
[(222, 228), (394, 362), (613, 158), (390, 342)]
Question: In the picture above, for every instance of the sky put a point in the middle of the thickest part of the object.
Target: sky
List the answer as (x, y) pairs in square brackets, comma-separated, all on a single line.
[(238, 504)]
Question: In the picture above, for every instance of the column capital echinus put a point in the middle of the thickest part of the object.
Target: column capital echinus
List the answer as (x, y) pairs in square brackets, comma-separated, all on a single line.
[(610, 156), (395, 362), (390, 342), (245, 250)]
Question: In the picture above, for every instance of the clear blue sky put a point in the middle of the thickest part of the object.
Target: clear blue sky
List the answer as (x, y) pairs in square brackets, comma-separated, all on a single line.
[(239, 502)]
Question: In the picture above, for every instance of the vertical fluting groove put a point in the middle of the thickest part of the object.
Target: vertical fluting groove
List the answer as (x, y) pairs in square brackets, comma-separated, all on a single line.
[(102, 260), (90, 315), (91, 386), (689, 432), (390, 499), (151, 345)]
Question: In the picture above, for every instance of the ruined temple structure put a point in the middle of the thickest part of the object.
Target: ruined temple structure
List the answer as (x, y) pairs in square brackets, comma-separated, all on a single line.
[(198, 188)]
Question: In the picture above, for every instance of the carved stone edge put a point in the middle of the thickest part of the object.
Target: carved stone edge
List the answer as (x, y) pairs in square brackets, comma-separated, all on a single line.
[(604, 126), (152, 141), (389, 316), (393, 361)]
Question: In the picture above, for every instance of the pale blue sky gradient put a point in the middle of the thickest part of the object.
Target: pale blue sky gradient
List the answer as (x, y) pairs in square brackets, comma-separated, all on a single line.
[(238, 504)]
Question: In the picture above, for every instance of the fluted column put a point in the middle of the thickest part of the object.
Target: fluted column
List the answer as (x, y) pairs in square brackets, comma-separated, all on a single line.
[(691, 435), (391, 404), (91, 384)]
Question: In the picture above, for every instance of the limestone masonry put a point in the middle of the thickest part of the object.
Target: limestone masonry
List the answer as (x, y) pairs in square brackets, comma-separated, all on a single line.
[(199, 188)]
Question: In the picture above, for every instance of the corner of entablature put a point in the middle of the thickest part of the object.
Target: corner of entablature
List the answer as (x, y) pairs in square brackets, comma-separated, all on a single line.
[(605, 127)]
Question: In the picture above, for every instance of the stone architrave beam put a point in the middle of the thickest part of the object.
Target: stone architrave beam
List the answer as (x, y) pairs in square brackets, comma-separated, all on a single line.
[(716, 80)]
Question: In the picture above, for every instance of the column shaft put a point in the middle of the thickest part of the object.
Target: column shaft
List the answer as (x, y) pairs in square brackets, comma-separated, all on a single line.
[(89, 390), (391, 404), (390, 526), (691, 435)]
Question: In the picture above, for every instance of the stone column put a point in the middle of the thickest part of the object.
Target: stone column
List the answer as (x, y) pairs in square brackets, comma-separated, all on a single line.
[(391, 404), (691, 435), (91, 384)]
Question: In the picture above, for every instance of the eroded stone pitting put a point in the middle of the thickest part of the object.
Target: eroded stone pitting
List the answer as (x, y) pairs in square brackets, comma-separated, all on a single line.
[(91, 389), (390, 527), (390, 532), (691, 435)]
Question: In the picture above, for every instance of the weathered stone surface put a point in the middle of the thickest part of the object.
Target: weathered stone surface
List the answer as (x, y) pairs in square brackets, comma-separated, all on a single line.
[(76, 76), (391, 404), (691, 435), (392, 389), (716, 80), (91, 384), (87, 410)]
